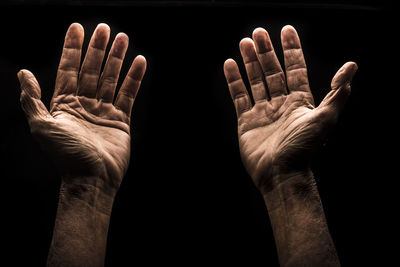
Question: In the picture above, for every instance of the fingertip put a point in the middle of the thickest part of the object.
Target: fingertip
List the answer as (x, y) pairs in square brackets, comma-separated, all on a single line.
[(289, 37), (288, 29), (259, 30), (229, 65), (102, 31), (143, 62), (229, 61), (123, 37), (139, 65), (262, 40), (352, 66), (29, 83), (245, 43), (248, 50), (76, 27), (20, 73), (344, 75), (140, 59), (74, 36), (103, 27), (100, 36), (120, 45), (231, 70), (259, 33)]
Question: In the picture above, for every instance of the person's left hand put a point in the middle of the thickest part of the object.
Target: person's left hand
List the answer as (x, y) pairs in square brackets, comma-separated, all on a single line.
[(278, 133)]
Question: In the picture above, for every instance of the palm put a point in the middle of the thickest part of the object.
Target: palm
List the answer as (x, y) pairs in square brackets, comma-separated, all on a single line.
[(86, 132), (88, 136), (274, 132), (279, 131)]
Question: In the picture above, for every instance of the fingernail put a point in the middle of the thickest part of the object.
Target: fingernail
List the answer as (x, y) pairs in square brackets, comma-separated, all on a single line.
[(354, 69), (19, 74)]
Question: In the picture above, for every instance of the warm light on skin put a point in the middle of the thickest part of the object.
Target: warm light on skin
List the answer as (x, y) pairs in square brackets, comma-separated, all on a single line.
[(277, 136), (284, 119), (87, 134)]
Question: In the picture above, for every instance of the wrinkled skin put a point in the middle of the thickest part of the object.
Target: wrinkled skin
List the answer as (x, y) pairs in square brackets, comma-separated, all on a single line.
[(279, 132), (86, 132)]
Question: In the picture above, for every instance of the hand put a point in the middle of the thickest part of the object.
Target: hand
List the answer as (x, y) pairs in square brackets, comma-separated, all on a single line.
[(278, 133), (85, 131)]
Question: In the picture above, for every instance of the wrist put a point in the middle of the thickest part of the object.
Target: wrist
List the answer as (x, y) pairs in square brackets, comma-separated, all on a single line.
[(292, 185), (81, 226), (269, 178), (298, 222), (86, 194)]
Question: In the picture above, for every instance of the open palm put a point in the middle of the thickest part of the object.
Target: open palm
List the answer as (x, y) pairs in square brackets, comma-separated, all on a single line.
[(278, 132), (86, 131)]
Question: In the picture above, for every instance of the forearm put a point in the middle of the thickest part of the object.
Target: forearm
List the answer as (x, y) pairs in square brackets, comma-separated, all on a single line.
[(298, 222), (81, 227)]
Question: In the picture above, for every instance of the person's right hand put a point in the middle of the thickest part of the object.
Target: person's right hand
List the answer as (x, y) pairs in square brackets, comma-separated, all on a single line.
[(278, 133), (86, 132)]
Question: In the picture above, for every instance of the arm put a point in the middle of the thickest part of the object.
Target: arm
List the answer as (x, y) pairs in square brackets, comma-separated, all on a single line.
[(298, 222), (81, 226), (87, 133), (277, 136)]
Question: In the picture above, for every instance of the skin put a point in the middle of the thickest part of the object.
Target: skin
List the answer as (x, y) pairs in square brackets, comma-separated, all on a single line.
[(87, 133), (278, 135)]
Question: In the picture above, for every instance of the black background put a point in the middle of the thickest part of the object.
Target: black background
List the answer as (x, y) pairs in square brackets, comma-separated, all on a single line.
[(186, 198)]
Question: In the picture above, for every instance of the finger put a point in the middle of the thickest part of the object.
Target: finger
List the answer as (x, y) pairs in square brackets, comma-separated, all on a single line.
[(253, 69), (295, 65), (237, 88), (67, 73), (109, 77), (344, 75), (30, 96), (337, 97), (273, 73), (90, 71), (130, 86)]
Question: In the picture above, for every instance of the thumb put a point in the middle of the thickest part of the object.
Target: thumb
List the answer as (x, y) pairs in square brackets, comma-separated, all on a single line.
[(30, 96), (337, 97)]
